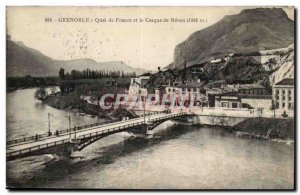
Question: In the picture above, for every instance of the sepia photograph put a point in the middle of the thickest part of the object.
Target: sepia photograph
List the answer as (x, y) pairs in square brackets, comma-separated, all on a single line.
[(150, 97)]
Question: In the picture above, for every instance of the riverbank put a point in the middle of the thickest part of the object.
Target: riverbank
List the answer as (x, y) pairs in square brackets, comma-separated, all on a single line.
[(72, 102), (274, 129), (27, 82)]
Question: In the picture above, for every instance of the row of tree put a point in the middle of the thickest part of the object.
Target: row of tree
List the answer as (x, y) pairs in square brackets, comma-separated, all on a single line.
[(93, 74)]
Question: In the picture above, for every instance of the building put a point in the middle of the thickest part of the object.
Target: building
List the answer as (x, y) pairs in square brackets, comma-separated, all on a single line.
[(215, 61), (248, 89), (283, 94), (214, 92), (111, 82), (194, 90), (170, 91), (141, 80), (228, 101), (257, 101), (138, 87)]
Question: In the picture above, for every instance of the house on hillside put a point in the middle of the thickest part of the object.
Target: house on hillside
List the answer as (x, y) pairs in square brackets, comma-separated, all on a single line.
[(111, 82)]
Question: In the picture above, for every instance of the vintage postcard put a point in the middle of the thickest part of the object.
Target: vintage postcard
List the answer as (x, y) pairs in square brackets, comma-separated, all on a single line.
[(150, 98)]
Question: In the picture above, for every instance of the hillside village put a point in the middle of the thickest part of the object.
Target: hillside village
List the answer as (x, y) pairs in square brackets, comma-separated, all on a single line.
[(264, 82)]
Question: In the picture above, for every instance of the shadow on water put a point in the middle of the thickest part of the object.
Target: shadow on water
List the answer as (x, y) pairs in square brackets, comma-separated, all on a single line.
[(61, 170)]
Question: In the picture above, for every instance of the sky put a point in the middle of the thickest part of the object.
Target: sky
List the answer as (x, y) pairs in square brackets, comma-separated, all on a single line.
[(140, 44)]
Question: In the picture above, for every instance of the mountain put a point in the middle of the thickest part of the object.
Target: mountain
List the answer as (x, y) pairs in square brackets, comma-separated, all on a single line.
[(250, 30), (22, 60), (81, 64)]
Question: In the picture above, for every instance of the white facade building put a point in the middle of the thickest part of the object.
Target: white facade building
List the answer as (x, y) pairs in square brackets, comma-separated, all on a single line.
[(137, 86), (283, 94)]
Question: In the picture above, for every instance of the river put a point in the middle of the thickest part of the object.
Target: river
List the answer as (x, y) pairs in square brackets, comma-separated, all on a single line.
[(178, 157)]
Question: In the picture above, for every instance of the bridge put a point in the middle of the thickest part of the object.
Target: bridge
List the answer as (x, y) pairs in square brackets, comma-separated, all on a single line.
[(71, 142)]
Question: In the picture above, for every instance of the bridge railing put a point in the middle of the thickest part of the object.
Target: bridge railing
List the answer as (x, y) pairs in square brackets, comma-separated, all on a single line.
[(55, 143), (151, 113), (63, 131), (87, 135), (35, 148), (59, 132), (168, 116)]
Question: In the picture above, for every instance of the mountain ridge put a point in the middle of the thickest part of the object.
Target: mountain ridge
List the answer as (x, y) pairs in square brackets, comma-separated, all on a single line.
[(22, 60)]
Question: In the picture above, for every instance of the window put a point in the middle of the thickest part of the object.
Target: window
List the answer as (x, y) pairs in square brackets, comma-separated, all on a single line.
[(277, 92), (290, 105), (283, 97), (283, 105), (276, 105), (277, 97), (234, 105), (224, 104)]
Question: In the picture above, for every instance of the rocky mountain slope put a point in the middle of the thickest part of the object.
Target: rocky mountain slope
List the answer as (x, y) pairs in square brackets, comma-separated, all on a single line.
[(250, 30), (284, 66), (22, 60), (267, 67), (264, 67)]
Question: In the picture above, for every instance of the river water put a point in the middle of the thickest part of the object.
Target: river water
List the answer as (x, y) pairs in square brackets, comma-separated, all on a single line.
[(178, 157)]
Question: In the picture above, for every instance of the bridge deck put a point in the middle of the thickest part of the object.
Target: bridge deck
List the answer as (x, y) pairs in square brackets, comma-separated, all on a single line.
[(25, 147)]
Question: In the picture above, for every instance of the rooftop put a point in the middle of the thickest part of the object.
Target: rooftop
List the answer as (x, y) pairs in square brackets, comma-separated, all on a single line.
[(286, 81), (194, 84), (246, 86)]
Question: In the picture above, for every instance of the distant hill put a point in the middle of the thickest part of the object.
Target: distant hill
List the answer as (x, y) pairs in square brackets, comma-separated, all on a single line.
[(250, 30), (22, 60), (81, 64)]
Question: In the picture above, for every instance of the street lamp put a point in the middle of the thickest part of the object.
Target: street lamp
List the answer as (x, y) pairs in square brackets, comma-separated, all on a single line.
[(49, 131), (69, 118), (140, 92)]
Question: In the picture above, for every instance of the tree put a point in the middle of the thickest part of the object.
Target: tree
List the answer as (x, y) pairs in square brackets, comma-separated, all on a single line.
[(62, 74), (40, 93)]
